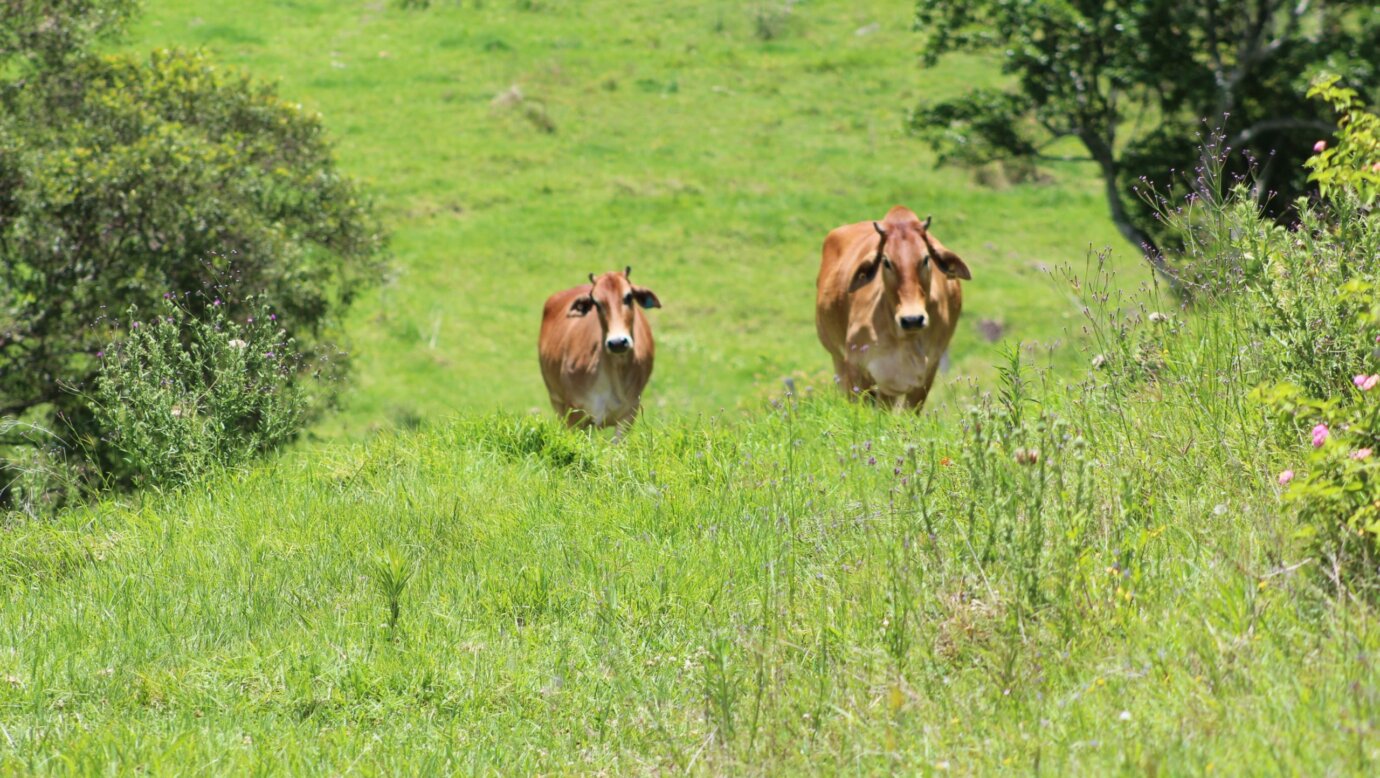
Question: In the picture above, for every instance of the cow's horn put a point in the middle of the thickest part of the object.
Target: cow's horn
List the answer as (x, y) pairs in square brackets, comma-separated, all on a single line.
[(591, 280), (879, 229), (627, 272), (926, 225)]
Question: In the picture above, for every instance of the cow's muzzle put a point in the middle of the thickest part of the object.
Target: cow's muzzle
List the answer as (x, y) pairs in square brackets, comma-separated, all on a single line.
[(912, 322), (618, 344)]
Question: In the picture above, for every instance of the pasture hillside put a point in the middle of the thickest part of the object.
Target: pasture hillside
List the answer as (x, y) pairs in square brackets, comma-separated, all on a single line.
[(514, 147), (1103, 575)]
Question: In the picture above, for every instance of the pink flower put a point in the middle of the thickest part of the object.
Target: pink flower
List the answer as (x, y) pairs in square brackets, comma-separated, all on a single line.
[(1361, 454), (1370, 383), (1358, 380), (1285, 477), (1320, 434), (1320, 147), (1375, 168)]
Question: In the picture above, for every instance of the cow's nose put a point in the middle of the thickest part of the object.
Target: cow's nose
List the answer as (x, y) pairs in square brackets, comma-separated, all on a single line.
[(618, 344), (912, 322)]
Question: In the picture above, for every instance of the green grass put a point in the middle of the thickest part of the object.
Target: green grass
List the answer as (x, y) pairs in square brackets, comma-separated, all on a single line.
[(819, 588), (710, 160), (805, 586)]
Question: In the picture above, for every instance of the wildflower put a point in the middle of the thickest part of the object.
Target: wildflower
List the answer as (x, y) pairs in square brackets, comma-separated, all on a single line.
[(249, 320), (1359, 380), (1320, 434), (1098, 361), (1320, 147), (1027, 456), (1370, 383), (1375, 168), (177, 412), (100, 355), (136, 325), (274, 317), (1360, 454), (237, 343), (217, 302), (1285, 477), (1125, 715)]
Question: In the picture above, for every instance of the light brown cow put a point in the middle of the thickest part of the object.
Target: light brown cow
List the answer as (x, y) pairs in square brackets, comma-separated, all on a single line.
[(887, 301), (596, 350)]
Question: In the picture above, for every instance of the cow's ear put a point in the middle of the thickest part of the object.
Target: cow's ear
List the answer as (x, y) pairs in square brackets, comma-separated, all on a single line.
[(580, 307), (951, 265), (645, 297), (866, 272)]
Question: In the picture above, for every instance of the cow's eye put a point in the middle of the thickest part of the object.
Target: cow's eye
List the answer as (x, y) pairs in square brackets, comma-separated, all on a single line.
[(627, 298)]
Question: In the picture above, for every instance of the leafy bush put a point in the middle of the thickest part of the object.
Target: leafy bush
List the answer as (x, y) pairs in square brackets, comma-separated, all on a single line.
[(179, 394), (1299, 291), (1337, 486), (1354, 162), (123, 177), (46, 32)]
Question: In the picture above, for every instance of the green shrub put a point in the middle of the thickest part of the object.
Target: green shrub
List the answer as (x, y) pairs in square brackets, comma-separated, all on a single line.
[(179, 395), (1353, 163), (1299, 292), (123, 177), (1337, 486), (46, 32)]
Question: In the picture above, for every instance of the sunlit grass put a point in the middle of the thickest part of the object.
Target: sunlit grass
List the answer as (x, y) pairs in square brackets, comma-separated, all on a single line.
[(671, 137)]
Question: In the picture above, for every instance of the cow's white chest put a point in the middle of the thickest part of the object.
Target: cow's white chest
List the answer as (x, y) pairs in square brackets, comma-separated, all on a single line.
[(602, 400), (899, 369)]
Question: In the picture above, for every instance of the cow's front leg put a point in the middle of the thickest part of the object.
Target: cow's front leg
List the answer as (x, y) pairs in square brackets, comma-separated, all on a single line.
[(856, 383), (915, 399)]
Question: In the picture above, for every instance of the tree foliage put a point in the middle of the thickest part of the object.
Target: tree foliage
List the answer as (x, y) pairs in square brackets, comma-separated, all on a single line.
[(1133, 80)]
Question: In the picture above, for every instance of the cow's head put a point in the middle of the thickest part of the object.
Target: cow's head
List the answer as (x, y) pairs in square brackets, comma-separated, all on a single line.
[(613, 297), (904, 263)]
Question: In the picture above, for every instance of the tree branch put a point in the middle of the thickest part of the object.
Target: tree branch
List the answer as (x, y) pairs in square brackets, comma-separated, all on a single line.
[(1277, 125)]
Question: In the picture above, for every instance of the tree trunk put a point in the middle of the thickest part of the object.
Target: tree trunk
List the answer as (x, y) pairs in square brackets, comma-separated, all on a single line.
[(1106, 162)]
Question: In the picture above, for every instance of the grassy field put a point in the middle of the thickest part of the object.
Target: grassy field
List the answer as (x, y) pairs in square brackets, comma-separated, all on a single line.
[(819, 588), (1072, 571), (668, 136)]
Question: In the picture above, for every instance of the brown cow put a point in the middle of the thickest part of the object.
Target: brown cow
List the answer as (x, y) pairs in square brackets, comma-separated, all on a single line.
[(882, 310), (596, 350)]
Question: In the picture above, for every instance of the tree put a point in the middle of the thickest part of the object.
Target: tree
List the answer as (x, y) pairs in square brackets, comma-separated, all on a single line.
[(126, 180), (1133, 80)]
